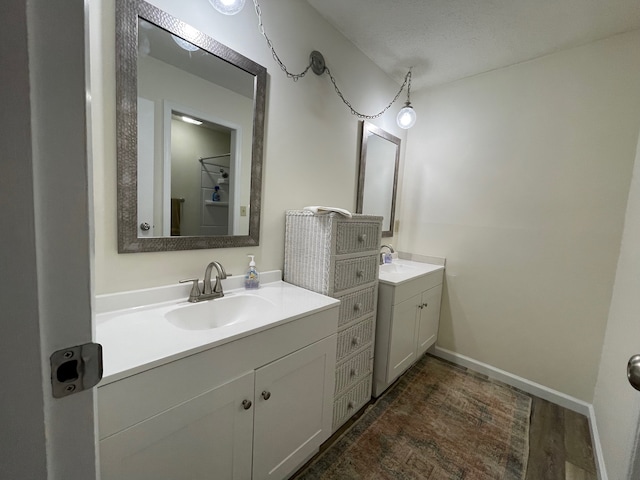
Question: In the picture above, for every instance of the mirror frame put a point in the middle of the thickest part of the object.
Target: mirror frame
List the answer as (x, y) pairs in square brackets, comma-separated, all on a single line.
[(368, 129), (127, 14)]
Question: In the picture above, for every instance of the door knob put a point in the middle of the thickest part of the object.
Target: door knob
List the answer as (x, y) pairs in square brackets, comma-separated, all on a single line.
[(633, 371), (145, 226)]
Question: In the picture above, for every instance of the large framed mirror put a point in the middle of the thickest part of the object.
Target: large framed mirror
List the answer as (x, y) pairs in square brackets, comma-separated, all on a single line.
[(190, 127), (378, 179)]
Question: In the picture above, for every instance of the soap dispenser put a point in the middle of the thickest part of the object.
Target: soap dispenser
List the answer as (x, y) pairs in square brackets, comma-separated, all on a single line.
[(252, 277)]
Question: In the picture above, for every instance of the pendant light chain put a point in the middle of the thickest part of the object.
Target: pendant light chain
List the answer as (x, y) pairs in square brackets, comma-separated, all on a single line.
[(407, 81), (296, 76)]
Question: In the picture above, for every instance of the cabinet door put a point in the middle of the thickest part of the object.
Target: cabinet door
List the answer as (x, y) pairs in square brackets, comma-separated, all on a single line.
[(429, 319), (294, 406), (209, 436), (402, 342)]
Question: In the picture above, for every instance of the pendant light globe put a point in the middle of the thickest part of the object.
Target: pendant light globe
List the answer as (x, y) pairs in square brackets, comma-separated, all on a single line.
[(227, 7), (406, 116)]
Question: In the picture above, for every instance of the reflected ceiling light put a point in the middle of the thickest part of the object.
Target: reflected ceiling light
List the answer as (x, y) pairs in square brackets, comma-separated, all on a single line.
[(183, 44), (318, 66), (144, 45), (144, 24), (227, 7), (193, 121)]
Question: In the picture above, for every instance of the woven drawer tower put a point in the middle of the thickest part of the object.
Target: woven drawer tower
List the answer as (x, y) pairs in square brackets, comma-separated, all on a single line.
[(338, 256)]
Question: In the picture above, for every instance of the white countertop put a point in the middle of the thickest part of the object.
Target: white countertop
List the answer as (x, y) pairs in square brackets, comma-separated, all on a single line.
[(135, 339), (400, 271)]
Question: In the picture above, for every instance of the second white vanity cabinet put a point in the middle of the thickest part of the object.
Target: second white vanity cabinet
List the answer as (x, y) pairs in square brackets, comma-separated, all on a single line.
[(254, 408), (407, 324)]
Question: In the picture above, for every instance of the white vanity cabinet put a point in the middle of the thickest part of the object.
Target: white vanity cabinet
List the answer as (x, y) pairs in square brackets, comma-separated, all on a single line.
[(293, 409), (407, 325), (205, 437), (254, 408)]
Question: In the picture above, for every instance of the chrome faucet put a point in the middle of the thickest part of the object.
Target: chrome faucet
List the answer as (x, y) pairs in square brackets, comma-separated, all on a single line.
[(208, 292), (391, 250)]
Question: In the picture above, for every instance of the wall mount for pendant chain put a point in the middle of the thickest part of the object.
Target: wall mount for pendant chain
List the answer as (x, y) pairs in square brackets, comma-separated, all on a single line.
[(318, 64)]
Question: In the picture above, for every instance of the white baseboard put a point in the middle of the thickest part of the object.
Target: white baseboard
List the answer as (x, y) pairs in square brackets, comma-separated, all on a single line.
[(536, 389), (597, 446), (523, 384)]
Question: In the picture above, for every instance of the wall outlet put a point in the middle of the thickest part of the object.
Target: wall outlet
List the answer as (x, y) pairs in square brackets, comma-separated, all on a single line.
[(243, 211)]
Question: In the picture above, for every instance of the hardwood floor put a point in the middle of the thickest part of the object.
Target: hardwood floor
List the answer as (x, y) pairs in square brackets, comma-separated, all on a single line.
[(559, 442)]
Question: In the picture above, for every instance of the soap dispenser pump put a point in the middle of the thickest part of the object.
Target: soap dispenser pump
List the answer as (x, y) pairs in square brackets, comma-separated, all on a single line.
[(252, 277)]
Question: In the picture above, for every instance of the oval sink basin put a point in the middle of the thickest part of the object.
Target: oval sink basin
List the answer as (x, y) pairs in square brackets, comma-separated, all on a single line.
[(219, 312)]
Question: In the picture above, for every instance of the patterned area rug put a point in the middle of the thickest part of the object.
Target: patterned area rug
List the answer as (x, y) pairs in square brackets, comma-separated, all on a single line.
[(439, 422)]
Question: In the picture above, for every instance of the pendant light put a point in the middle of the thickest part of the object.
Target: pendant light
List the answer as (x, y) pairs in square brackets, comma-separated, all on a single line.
[(227, 7), (407, 115)]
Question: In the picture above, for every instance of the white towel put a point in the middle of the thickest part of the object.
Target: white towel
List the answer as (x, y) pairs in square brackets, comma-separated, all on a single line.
[(319, 210)]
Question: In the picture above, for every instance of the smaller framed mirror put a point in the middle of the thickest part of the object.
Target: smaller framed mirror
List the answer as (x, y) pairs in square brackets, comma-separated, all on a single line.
[(378, 179)]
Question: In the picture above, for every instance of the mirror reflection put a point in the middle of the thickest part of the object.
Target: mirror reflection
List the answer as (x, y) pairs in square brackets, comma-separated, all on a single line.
[(379, 161), (198, 122), (195, 111)]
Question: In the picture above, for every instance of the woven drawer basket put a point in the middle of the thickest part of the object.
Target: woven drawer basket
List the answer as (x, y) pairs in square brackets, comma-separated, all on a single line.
[(352, 237), (356, 305), (354, 369), (354, 338), (311, 247), (349, 403), (354, 272)]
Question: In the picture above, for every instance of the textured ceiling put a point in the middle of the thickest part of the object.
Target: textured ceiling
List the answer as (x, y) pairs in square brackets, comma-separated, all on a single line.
[(445, 40)]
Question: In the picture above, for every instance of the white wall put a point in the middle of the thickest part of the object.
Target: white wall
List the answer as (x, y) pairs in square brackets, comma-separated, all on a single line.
[(311, 144), (616, 404), (519, 177)]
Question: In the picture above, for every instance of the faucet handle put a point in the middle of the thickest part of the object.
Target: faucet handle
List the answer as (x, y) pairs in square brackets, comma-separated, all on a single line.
[(195, 289)]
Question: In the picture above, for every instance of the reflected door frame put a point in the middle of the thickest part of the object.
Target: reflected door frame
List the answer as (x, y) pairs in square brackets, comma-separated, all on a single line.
[(235, 164)]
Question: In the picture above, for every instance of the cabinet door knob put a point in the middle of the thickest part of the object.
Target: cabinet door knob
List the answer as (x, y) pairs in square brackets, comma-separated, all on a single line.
[(357, 307), (362, 237), (266, 395), (425, 305), (246, 404), (420, 307), (354, 372), (360, 273), (350, 405), (355, 340)]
